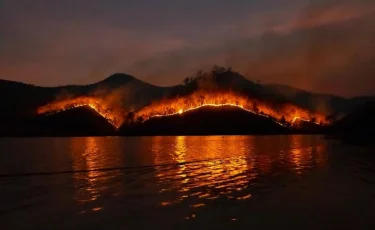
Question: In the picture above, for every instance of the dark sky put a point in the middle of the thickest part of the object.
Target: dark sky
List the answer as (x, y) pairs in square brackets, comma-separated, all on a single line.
[(319, 45)]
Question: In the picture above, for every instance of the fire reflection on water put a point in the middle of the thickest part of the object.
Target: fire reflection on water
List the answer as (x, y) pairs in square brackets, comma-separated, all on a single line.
[(180, 156), (191, 171), (304, 156), (203, 169), (88, 155)]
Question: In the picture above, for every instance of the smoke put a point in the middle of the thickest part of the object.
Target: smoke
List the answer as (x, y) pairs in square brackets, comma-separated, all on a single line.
[(322, 49)]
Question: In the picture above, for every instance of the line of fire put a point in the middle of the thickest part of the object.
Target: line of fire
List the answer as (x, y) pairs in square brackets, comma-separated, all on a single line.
[(285, 114)]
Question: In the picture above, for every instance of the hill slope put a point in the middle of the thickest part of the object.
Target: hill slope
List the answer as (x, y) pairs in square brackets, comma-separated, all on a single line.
[(81, 121), (361, 122), (206, 121)]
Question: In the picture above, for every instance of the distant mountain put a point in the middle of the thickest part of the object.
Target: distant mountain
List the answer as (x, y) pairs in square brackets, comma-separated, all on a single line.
[(325, 103), (22, 100), (117, 79), (360, 122)]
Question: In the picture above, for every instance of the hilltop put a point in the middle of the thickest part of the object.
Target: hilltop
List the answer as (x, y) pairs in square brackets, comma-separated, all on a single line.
[(224, 120)]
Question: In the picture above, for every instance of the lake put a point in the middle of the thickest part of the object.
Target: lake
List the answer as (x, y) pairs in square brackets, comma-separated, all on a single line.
[(204, 182)]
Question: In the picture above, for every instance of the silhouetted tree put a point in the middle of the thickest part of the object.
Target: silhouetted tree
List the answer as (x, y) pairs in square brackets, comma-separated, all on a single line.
[(255, 107), (218, 69), (188, 80), (331, 118), (200, 74), (187, 102), (130, 117), (283, 120), (140, 119), (201, 99)]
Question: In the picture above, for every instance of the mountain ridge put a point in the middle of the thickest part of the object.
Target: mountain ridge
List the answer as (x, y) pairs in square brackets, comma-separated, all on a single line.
[(20, 98), (124, 94), (117, 78)]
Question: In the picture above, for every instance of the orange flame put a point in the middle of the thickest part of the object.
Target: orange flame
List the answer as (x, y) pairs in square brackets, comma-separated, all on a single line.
[(282, 114), (114, 116)]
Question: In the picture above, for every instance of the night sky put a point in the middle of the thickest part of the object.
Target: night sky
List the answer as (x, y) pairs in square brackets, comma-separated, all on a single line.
[(319, 45)]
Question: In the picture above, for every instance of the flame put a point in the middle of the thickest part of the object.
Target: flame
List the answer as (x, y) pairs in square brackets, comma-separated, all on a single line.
[(285, 114), (113, 116), (282, 114)]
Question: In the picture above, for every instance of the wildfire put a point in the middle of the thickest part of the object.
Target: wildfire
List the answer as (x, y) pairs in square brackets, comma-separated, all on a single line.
[(281, 114), (286, 114), (113, 116), (213, 105)]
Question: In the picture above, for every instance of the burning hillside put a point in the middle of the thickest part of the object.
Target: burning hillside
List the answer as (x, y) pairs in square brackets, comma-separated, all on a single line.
[(124, 101), (207, 120), (285, 114), (218, 88), (77, 121), (112, 115)]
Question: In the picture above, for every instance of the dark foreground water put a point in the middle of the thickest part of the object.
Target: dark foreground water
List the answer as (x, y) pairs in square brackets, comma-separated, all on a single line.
[(257, 182)]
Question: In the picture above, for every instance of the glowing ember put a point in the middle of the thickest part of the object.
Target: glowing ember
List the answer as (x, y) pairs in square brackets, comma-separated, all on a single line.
[(115, 117), (281, 114)]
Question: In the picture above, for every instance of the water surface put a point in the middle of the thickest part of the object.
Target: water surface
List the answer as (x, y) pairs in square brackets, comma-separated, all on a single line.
[(185, 182)]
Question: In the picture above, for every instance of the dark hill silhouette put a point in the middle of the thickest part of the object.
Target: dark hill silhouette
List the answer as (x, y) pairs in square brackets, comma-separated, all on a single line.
[(360, 122), (19, 101), (118, 78), (326, 103), (357, 128), (206, 121), (80, 121), (304, 127)]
